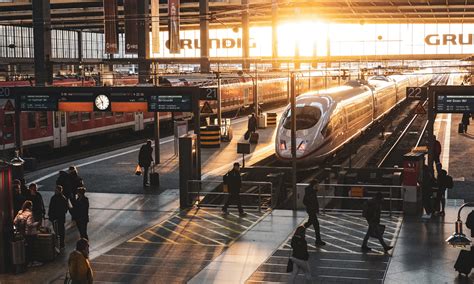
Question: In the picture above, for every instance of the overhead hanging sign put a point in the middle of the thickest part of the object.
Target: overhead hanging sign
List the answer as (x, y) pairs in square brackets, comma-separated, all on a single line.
[(173, 26), (111, 26), (173, 103), (155, 26), (130, 8), (46, 102), (417, 93), (453, 99), (206, 108)]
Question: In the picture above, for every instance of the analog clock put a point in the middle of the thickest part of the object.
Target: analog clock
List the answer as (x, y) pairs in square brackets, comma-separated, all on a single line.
[(102, 102)]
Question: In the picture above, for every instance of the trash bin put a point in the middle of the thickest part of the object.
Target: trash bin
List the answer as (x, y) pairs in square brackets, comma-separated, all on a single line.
[(18, 255)]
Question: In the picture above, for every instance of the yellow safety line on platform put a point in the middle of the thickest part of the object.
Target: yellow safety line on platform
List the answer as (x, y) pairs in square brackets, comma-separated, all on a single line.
[(160, 236), (256, 216), (179, 234), (348, 242), (142, 240), (348, 228), (222, 218), (192, 232), (214, 231), (214, 223), (242, 218)]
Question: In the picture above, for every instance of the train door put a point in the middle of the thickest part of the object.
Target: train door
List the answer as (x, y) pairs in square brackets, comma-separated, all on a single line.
[(138, 121), (59, 129)]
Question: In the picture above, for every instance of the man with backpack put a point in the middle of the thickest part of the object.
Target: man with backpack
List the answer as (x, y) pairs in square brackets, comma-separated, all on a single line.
[(371, 212), (233, 180), (310, 201), (444, 182)]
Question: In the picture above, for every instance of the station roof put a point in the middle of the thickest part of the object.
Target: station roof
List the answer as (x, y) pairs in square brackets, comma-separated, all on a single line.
[(88, 14)]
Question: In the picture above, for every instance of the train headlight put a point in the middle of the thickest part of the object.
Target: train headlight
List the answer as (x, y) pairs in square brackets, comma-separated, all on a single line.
[(282, 145)]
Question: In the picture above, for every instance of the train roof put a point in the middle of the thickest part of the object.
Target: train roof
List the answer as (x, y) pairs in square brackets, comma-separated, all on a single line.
[(340, 93)]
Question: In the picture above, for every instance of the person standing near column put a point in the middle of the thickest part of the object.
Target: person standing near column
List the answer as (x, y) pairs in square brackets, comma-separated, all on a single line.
[(310, 201), (144, 160), (58, 207), (81, 212)]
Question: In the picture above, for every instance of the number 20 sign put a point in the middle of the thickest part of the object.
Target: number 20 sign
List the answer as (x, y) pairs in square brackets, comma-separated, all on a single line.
[(417, 93)]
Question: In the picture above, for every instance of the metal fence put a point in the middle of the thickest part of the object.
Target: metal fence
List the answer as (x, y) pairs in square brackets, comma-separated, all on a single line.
[(200, 191)]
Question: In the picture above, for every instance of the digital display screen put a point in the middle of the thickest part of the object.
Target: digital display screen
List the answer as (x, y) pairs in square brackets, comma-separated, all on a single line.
[(38, 103), (454, 103), (178, 103)]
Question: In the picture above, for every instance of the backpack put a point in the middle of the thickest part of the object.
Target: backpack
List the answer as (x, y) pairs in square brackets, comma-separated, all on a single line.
[(449, 181), (470, 220)]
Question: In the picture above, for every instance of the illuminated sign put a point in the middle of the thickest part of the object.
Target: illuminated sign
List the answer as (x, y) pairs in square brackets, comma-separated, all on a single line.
[(160, 103), (453, 99), (445, 39), (213, 43), (38, 102)]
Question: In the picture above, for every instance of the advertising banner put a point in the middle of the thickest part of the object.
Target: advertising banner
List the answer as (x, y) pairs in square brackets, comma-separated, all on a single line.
[(155, 26), (173, 26), (111, 26), (131, 25)]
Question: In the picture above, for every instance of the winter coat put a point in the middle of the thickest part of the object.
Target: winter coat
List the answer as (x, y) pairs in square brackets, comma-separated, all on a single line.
[(310, 200), (25, 223), (81, 209), (465, 118), (76, 181), (145, 156), (58, 207), (65, 181), (38, 206), (252, 124), (80, 268), (300, 248), (233, 181), (373, 212)]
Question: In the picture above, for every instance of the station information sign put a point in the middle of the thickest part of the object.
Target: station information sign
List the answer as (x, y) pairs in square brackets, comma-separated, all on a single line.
[(454, 103), (37, 102), (163, 103)]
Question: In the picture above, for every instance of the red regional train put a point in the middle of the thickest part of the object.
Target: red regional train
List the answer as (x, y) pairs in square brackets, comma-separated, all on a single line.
[(58, 129)]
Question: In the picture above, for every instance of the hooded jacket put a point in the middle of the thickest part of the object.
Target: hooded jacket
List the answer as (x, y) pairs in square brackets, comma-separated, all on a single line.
[(80, 268)]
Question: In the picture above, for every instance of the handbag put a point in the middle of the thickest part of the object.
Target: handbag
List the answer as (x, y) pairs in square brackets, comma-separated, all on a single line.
[(289, 266), (138, 170), (247, 135)]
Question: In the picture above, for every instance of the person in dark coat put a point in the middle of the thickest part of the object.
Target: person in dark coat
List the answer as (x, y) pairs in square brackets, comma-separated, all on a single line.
[(310, 201), (81, 212), (465, 121), (444, 182), (38, 205), (18, 198), (372, 215), (252, 124), (58, 207), (75, 181), (145, 157), (427, 184), (300, 255), (233, 180), (65, 181), (437, 154)]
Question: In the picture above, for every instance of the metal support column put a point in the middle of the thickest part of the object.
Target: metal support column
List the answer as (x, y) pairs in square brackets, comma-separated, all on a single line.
[(204, 33), (293, 139), (255, 91), (197, 131), (143, 41), (275, 63), (219, 103), (430, 128), (79, 46), (245, 35), (42, 42)]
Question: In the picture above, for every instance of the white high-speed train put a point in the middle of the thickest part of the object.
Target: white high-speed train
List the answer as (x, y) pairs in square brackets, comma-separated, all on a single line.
[(328, 119)]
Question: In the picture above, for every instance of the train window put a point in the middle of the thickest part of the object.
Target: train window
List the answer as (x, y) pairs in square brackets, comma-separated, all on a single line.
[(98, 114), (109, 114), (8, 120), (74, 117), (85, 116), (43, 119), (306, 117), (119, 114), (31, 119)]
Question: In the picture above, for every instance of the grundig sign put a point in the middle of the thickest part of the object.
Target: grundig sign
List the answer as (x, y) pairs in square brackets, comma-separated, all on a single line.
[(213, 43), (446, 39)]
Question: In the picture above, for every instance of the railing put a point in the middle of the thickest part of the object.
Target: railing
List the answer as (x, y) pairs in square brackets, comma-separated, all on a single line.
[(207, 187), (324, 188)]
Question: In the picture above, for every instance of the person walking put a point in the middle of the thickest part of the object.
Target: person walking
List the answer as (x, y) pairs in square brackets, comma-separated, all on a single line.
[(465, 121), (233, 180), (252, 124), (300, 255), (437, 154), (371, 212), (58, 207), (145, 157), (65, 181), (79, 265), (28, 228), (38, 205), (310, 201), (427, 184), (75, 181), (81, 212), (444, 182)]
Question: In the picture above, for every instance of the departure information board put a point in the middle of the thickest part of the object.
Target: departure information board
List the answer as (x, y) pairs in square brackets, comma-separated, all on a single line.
[(454, 103), (38, 102), (163, 103)]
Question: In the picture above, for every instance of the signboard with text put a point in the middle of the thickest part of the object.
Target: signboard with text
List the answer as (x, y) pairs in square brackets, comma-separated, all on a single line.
[(36, 102), (179, 103), (453, 99)]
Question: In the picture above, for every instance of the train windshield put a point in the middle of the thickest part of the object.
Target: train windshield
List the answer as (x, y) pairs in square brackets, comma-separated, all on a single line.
[(306, 117)]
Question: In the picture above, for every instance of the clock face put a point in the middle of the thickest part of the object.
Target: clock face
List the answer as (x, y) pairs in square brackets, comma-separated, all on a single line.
[(102, 102)]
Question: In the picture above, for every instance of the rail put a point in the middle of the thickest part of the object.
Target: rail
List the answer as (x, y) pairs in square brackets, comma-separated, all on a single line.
[(257, 189), (326, 187)]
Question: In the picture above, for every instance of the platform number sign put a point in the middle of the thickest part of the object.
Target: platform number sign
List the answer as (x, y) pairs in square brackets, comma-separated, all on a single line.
[(417, 93), (4, 91), (208, 94)]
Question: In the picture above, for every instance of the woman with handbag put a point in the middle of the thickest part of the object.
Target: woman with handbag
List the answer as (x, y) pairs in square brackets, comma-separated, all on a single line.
[(300, 255)]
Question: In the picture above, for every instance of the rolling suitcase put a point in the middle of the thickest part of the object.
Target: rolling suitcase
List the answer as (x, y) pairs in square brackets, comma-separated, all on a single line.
[(154, 177), (464, 262), (253, 138), (44, 248), (460, 128)]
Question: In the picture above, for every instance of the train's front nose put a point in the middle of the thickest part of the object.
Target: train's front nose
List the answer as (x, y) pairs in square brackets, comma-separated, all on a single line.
[(308, 124)]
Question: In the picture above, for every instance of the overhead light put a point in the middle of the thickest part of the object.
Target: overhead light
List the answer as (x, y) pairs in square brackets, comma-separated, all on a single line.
[(458, 238)]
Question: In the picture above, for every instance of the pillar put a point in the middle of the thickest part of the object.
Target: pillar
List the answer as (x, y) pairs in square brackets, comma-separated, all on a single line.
[(204, 33), (245, 35), (42, 42)]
